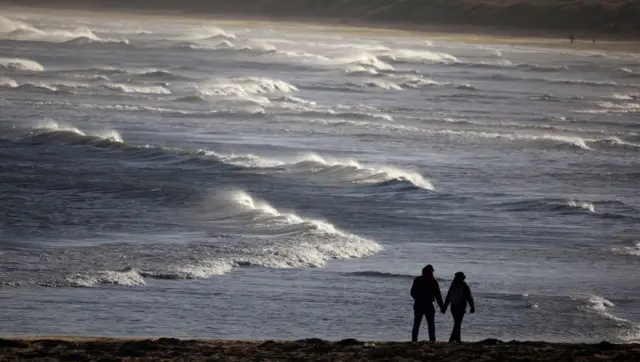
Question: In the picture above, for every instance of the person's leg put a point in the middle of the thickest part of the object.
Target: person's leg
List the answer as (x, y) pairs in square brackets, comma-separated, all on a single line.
[(431, 321), (417, 319), (457, 326), (461, 316)]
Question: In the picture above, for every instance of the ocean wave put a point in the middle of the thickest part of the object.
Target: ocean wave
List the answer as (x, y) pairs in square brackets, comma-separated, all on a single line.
[(18, 64), (377, 274), (333, 170), (625, 97), (191, 98), (235, 112), (625, 107), (55, 131), (548, 204), (246, 88), (542, 68), (633, 250), (204, 33), (378, 83), (345, 114), (617, 142), (628, 331), (628, 73), (21, 31), (402, 82), (418, 56), (138, 89), (297, 241), (568, 140), (573, 141), (67, 87)]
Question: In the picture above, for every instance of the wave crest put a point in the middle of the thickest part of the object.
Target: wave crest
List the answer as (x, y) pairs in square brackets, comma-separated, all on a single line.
[(322, 168), (19, 64), (126, 88)]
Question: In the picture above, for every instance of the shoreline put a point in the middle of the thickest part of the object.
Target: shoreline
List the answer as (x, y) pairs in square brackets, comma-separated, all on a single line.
[(172, 349), (465, 34)]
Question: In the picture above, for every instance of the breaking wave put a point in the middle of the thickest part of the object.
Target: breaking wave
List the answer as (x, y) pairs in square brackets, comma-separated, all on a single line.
[(419, 56), (333, 170), (55, 88), (552, 205), (205, 33), (21, 31), (243, 231), (573, 141), (629, 331), (126, 88), (18, 64), (633, 250), (629, 73), (52, 130)]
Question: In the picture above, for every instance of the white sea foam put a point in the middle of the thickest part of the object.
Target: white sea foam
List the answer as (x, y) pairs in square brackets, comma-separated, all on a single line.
[(247, 88), (19, 64), (51, 125), (206, 33), (420, 56), (111, 135), (54, 126), (381, 83), (21, 31), (633, 250), (364, 60), (126, 88), (623, 106), (622, 97), (8, 82), (128, 276), (582, 205), (202, 270)]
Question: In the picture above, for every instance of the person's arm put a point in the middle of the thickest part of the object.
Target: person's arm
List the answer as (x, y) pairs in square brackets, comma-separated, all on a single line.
[(447, 300), (414, 289), (438, 294), (467, 292)]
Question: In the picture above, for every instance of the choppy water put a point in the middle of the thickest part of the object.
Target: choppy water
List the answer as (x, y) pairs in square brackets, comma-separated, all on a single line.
[(251, 181)]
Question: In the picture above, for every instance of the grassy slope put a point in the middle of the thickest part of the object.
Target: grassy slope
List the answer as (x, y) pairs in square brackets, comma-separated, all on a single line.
[(621, 17)]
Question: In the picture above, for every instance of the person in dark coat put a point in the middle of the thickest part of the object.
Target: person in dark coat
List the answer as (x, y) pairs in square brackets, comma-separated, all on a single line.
[(459, 296), (424, 290)]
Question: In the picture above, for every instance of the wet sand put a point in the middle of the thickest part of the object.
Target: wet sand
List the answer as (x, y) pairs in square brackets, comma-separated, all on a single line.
[(170, 349)]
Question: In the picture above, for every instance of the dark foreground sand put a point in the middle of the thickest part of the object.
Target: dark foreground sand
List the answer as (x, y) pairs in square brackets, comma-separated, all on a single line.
[(169, 349)]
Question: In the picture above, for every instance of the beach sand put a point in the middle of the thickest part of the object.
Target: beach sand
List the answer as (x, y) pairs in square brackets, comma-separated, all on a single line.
[(170, 349), (455, 33)]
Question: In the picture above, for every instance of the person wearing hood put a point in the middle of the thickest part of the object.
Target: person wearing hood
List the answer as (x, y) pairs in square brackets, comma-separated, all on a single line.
[(458, 296), (424, 290)]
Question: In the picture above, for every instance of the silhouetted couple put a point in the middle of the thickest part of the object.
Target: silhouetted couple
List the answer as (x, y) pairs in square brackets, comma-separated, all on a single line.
[(425, 290)]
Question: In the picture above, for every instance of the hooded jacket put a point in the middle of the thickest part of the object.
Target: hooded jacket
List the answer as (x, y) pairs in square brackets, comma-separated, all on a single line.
[(424, 290)]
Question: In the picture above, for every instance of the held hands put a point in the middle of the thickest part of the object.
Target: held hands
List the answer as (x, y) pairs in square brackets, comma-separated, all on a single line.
[(443, 310)]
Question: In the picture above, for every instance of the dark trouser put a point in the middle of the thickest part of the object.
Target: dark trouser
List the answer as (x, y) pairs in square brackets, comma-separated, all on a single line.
[(430, 313), (457, 325)]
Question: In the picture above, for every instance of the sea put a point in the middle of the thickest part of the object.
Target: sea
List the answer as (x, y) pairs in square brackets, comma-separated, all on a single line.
[(193, 178)]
